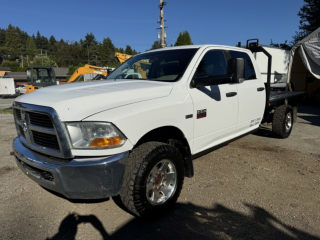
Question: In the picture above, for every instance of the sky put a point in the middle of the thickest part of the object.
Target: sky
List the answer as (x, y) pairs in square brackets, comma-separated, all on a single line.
[(134, 22)]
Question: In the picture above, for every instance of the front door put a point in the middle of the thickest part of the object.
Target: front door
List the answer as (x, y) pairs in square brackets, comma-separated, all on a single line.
[(215, 107)]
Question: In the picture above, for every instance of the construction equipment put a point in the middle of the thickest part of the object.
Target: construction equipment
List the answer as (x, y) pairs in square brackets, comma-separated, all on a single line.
[(78, 75), (121, 57), (39, 77)]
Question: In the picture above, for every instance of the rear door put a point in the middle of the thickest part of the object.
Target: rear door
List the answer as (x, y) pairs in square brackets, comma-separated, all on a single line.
[(215, 107), (251, 95)]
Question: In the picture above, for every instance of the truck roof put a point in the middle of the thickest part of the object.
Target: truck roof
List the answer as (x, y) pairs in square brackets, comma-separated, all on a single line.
[(200, 46)]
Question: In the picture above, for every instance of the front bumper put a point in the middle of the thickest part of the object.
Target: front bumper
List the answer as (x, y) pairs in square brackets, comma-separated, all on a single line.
[(83, 178)]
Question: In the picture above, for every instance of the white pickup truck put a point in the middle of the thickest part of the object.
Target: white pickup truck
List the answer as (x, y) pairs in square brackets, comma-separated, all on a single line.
[(135, 138)]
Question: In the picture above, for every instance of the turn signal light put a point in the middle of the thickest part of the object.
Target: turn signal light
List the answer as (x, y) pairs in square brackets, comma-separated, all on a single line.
[(106, 142)]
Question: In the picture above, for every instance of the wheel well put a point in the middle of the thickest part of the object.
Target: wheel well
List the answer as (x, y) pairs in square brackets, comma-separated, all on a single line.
[(175, 137)]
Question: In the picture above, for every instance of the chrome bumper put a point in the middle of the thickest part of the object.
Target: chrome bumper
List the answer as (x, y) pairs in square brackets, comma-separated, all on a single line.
[(83, 178)]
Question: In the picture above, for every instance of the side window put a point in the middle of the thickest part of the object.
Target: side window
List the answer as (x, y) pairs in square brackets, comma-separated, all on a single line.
[(249, 72), (212, 65)]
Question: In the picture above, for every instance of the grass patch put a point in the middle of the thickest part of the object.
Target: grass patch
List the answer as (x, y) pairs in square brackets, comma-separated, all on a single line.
[(6, 111)]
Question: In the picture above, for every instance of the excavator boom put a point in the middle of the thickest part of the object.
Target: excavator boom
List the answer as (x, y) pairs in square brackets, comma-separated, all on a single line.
[(88, 69)]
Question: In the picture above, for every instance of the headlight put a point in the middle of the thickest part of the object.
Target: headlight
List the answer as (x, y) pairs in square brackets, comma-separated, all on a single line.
[(94, 135)]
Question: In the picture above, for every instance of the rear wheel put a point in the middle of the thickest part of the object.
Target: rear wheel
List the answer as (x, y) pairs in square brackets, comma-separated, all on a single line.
[(153, 179), (282, 122)]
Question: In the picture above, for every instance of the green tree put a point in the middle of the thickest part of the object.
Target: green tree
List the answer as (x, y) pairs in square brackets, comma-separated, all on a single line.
[(128, 50), (15, 67), (38, 40), (156, 45), (309, 19), (90, 44), (13, 41), (51, 45), (281, 45), (2, 37), (31, 48), (106, 52), (183, 39)]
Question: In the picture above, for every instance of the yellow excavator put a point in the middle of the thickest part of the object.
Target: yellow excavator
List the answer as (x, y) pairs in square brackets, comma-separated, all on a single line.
[(78, 75), (121, 57), (139, 67)]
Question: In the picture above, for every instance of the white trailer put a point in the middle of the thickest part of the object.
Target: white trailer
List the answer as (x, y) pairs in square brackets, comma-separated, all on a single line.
[(7, 87), (279, 66)]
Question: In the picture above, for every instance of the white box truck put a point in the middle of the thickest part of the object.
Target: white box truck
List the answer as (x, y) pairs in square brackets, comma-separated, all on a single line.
[(7, 87)]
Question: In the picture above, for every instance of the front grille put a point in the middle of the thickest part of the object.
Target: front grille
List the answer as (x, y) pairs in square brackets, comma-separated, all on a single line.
[(41, 120), (39, 129), (18, 113), (45, 140), (21, 131)]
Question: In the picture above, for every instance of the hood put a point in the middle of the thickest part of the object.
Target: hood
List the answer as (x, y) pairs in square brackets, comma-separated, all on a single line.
[(76, 101)]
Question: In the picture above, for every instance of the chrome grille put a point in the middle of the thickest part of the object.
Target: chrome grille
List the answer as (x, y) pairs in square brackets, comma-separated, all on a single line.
[(21, 131), (18, 113), (46, 140), (39, 119), (40, 129)]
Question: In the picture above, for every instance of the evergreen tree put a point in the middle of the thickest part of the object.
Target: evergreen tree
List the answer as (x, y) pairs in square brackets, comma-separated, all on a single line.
[(13, 41), (183, 39), (106, 52), (128, 50), (31, 48), (281, 45), (2, 37), (51, 45), (38, 41), (309, 19), (90, 44), (156, 45)]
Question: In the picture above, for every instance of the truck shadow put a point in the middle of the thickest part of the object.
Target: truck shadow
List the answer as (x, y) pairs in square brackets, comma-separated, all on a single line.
[(310, 114), (188, 221)]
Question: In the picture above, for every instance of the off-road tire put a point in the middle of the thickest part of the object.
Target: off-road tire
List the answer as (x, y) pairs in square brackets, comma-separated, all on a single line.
[(279, 121), (141, 161)]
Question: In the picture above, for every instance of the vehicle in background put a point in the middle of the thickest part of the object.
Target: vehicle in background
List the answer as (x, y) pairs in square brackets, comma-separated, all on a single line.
[(39, 77), (94, 73), (7, 87), (21, 89), (279, 65)]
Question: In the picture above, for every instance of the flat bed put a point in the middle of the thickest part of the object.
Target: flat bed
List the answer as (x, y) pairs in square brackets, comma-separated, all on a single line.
[(279, 98)]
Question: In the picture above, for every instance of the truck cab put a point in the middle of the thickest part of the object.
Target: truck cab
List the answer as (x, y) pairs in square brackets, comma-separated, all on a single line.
[(39, 77)]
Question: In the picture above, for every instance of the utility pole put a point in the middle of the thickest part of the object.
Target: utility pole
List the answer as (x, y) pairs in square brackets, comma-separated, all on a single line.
[(162, 27)]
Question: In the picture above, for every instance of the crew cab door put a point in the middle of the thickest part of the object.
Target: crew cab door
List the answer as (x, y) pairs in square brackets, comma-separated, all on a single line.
[(215, 107), (251, 96)]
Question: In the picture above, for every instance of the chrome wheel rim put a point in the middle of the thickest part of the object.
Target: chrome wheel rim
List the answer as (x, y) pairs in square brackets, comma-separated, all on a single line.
[(161, 182), (288, 122)]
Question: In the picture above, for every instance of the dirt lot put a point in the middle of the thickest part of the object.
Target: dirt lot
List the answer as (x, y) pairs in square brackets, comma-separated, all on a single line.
[(258, 187)]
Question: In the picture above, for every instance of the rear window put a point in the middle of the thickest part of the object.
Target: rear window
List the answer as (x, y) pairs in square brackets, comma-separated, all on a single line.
[(249, 71)]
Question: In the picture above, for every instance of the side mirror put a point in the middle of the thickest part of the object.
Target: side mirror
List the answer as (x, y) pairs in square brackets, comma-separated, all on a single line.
[(236, 70)]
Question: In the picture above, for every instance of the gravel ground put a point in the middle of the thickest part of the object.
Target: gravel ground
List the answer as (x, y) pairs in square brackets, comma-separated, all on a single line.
[(258, 187)]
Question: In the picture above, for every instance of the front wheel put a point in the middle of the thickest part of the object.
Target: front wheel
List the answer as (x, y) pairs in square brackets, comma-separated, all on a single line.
[(153, 179), (282, 122)]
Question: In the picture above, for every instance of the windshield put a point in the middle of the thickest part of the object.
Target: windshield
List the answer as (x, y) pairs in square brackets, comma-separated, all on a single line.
[(168, 65)]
